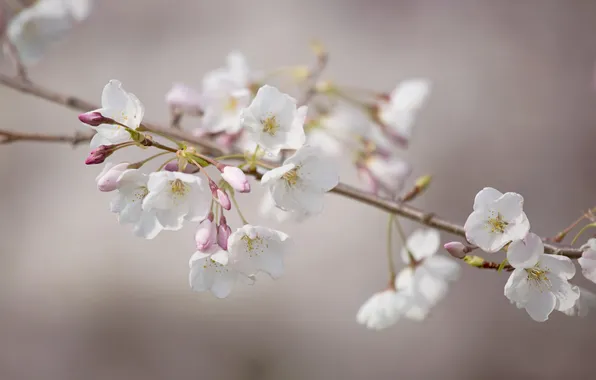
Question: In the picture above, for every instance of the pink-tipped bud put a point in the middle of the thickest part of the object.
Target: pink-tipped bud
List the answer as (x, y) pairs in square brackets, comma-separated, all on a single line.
[(99, 154), (223, 199), (173, 167), (206, 235), (94, 119), (220, 196), (223, 233), (107, 180), (457, 249), (236, 178)]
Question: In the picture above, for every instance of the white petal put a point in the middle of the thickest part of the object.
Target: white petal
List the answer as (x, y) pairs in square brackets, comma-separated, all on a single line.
[(559, 265), (276, 174), (517, 288), (477, 233), (510, 206), (485, 197), (422, 243), (525, 253), (442, 267), (540, 305), (114, 96)]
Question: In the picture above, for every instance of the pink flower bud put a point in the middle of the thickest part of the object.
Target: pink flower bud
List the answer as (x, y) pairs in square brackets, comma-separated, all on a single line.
[(223, 199), (206, 235), (236, 178), (94, 119), (223, 233), (457, 249), (107, 180), (220, 196), (173, 167), (99, 154)]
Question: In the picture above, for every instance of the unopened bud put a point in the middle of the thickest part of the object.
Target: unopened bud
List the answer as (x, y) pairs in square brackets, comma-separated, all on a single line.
[(423, 182), (206, 234), (223, 233), (475, 261), (99, 154), (236, 178), (220, 196), (94, 119), (457, 249), (173, 167), (107, 180)]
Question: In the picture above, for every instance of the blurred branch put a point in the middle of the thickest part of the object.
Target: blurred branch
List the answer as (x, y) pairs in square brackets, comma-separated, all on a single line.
[(7, 137), (399, 208)]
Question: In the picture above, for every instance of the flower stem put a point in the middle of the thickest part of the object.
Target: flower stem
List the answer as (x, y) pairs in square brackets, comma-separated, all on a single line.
[(165, 163), (238, 209), (143, 162), (230, 156), (390, 261), (402, 236)]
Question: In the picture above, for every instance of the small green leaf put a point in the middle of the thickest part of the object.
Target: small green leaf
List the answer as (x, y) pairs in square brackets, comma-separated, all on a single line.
[(503, 263)]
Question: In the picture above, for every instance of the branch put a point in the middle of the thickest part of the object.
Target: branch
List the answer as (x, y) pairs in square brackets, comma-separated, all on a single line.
[(7, 137), (425, 218)]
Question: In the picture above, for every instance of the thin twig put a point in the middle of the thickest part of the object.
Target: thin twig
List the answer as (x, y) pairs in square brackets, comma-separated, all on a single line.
[(425, 218), (7, 137)]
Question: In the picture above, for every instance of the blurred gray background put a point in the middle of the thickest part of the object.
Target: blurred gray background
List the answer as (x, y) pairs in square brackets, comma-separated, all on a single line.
[(513, 106)]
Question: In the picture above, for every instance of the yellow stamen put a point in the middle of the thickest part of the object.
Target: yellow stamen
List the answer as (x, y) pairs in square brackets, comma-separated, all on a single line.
[(178, 187), (496, 224), (537, 277), (270, 125), (231, 104), (291, 177)]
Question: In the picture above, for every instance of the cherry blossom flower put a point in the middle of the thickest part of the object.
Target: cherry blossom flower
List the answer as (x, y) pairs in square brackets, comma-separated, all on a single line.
[(107, 180), (37, 27), (339, 130), (175, 197), (588, 260), (226, 91), (496, 220), (302, 181), (236, 178), (273, 121), (382, 310), (539, 282), (212, 271), (254, 248), (184, 98), (425, 280), (386, 174), (132, 190), (586, 301), (120, 106), (398, 112)]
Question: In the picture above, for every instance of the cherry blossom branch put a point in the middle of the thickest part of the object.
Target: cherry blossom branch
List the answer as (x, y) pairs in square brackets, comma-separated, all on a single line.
[(7, 137), (398, 208)]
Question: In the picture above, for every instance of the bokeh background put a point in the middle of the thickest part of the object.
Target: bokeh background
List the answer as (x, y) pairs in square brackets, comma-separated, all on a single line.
[(513, 107)]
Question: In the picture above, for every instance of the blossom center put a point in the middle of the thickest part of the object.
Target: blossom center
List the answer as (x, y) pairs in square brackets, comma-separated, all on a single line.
[(537, 277), (291, 176), (140, 193), (496, 224), (217, 267), (231, 104), (179, 188), (270, 125), (254, 246)]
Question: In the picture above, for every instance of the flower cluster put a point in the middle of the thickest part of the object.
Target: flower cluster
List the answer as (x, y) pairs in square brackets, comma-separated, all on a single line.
[(539, 282), (181, 190)]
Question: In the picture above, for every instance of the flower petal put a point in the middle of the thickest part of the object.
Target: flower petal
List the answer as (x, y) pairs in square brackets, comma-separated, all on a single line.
[(525, 253), (485, 197)]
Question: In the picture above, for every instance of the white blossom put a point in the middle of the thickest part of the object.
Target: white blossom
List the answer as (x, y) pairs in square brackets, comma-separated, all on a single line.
[(387, 174), (212, 271), (588, 260), (539, 282), (122, 107), (302, 181), (226, 91), (339, 130), (175, 197), (382, 310), (107, 180), (399, 111), (269, 209), (425, 280), (496, 220), (254, 248), (35, 28), (184, 98), (132, 190), (273, 122), (586, 301)]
